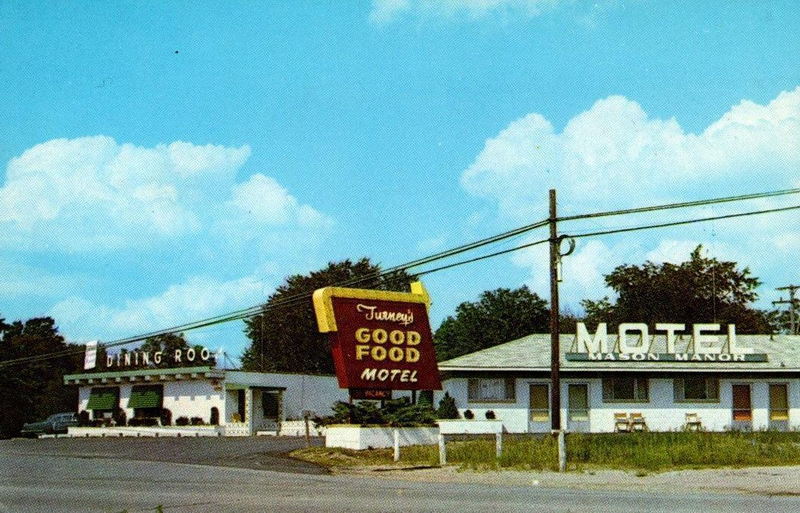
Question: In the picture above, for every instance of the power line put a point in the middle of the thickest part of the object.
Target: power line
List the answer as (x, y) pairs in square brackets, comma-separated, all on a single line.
[(684, 204), (689, 221)]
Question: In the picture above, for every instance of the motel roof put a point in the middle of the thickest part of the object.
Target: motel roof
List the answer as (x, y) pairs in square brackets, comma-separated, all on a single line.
[(532, 353)]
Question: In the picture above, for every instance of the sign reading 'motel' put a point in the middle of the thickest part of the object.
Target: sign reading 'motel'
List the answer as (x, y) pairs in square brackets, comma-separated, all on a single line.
[(379, 340), (634, 343)]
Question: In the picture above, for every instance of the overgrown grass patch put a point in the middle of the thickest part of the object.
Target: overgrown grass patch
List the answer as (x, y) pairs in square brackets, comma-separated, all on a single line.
[(626, 451)]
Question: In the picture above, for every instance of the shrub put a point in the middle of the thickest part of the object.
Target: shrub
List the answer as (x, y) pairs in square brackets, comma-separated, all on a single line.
[(469, 415), (83, 418), (119, 417), (490, 415), (182, 421), (447, 408), (395, 412), (166, 417), (197, 421)]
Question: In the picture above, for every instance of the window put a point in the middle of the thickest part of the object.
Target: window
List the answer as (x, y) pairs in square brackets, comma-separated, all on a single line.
[(625, 388), (697, 389), (540, 403), (491, 390), (778, 402)]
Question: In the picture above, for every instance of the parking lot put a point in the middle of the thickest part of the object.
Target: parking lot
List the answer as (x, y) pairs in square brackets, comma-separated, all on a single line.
[(261, 453)]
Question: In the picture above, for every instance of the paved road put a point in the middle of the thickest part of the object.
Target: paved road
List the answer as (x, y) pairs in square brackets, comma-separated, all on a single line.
[(260, 453), (51, 483)]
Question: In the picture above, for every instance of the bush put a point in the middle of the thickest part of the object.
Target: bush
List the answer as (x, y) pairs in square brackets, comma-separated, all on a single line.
[(490, 415), (166, 417), (182, 421), (83, 418), (197, 421), (447, 408), (395, 412), (469, 415), (119, 417)]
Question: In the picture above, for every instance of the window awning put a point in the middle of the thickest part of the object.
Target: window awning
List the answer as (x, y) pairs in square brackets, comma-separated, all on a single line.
[(146, 396), (103, 398)]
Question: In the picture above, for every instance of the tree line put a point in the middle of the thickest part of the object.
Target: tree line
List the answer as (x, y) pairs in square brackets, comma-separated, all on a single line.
[(284, 335)]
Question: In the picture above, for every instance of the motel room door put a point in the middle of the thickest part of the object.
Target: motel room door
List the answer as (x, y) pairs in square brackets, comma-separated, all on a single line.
[(578, 407), (539, 403), (742, 413)]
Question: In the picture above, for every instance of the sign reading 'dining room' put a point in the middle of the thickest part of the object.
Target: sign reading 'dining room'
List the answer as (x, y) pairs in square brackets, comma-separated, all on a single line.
[(379, 340)]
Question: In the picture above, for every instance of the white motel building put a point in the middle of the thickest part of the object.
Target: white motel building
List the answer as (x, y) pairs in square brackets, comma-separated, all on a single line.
[(681, 377)]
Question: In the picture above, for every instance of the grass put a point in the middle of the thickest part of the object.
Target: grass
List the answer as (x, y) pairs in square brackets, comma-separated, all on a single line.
[(649, 452)]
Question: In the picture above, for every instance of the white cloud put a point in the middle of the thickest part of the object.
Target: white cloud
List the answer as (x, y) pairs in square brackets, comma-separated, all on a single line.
[(91, 193), (197, 298), (616, 156), (265, 201), (385, 11)]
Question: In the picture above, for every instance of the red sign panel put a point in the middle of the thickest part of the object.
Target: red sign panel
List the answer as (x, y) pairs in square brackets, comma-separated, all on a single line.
[(382, 344)]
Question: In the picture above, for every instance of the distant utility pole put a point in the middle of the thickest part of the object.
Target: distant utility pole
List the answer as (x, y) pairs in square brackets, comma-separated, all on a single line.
[(792, 302)]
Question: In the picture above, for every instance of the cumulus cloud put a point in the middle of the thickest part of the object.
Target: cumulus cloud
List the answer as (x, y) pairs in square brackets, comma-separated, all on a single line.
[(92, 193), (385, 11), (197, 298), (615, 155)]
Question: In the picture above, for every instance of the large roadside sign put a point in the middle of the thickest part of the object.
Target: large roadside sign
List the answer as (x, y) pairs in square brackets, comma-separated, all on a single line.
[(380, 340)]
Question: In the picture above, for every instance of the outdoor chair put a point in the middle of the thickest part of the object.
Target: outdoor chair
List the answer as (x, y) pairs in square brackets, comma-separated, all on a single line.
[(693, 422), (637, 422), (621, 423)]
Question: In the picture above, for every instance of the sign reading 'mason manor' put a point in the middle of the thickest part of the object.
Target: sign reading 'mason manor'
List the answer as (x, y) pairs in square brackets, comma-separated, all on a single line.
[(634, 343)]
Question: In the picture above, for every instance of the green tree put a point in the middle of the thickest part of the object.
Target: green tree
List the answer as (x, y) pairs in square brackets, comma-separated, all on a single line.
[(699, 290), (285, 337), (32, 390), (499, 316)]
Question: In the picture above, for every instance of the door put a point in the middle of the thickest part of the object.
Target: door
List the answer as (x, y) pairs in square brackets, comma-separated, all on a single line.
[(578, 411), (779, 407), (539, 403), (742, 407)]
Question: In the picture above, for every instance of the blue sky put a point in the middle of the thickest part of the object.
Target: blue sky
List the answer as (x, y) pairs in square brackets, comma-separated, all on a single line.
[(169, 161)]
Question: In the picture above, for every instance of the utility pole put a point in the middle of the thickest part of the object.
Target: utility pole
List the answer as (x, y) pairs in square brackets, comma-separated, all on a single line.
[(792, 301), (555, 351)]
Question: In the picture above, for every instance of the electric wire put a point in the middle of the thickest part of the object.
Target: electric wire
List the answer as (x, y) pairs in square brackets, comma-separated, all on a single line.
[(683, 204)]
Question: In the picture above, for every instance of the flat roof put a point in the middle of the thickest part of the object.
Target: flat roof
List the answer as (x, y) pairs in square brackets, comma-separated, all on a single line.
[(146, 374)]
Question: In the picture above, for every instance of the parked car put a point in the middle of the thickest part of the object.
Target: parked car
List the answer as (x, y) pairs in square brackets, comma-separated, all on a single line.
[(56, 423)]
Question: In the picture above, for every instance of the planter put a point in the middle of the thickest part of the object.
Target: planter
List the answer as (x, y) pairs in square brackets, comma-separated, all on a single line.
[(470, 427), (356, 437)]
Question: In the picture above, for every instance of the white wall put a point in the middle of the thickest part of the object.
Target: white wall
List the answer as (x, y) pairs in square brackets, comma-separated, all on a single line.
[(193, 398), (661, 412), (303, 392)]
